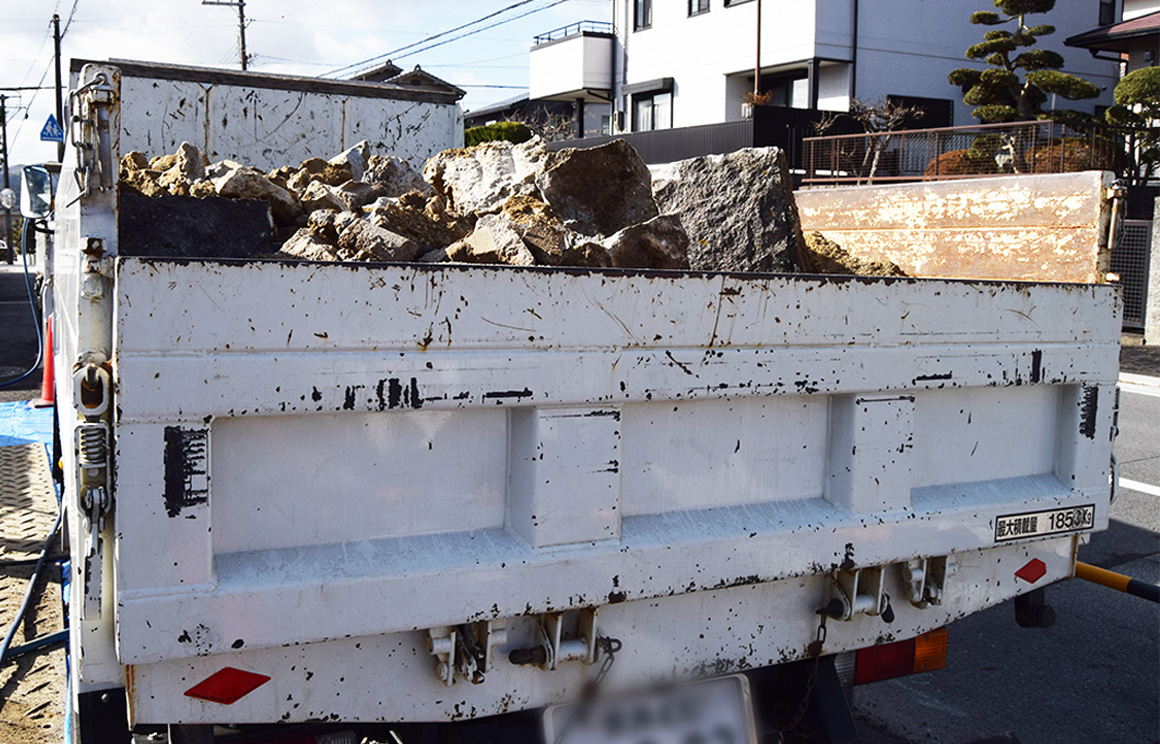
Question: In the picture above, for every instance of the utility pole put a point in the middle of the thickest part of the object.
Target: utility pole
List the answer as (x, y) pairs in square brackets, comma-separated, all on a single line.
[(59, 92), (9, 253), (241, 6), (757, 61)]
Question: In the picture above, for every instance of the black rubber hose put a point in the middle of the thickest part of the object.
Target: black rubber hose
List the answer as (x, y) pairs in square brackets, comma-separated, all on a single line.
[(31, 590), (29, 227)]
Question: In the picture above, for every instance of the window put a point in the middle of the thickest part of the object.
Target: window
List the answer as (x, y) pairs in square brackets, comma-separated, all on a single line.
[(731, 3), (606, 125), (1107, 12), (697, 7), (642, 14), (653, 111)]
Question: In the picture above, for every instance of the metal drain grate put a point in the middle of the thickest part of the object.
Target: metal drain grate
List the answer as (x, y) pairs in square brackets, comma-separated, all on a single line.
[(27, 501)]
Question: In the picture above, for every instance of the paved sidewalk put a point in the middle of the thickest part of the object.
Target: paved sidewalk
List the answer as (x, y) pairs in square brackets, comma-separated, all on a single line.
[(1135, 358)]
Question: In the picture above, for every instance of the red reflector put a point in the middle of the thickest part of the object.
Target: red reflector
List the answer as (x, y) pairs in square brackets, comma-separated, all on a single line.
[(227, 686), (1033, 571), (884, 662)]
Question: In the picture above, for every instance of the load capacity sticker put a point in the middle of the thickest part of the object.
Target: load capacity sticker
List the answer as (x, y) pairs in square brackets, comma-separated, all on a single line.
[(1035, 524)]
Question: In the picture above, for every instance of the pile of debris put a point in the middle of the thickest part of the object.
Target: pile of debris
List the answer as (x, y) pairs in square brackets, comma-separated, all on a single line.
[(502, 203)]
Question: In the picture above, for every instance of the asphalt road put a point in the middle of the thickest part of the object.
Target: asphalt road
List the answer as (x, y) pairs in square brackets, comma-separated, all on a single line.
[(1092, 677), (17, 335)]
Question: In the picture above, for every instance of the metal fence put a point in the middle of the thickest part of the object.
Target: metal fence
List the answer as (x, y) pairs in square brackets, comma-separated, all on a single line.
[(574, 29), (965, 152), (1131, 259), (768, 126)]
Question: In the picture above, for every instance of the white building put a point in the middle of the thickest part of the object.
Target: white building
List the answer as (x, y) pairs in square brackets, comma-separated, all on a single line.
[(680, 63)]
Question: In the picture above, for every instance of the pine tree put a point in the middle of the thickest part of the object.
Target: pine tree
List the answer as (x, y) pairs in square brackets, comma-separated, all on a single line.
[(1020, 77), (1138, 108)]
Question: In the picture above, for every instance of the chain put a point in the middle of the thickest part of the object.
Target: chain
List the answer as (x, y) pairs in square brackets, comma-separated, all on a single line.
[(610, 647), (816, 650)]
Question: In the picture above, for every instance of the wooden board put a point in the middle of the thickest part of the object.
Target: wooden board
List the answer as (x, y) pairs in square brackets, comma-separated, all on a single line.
[(1029, 228)]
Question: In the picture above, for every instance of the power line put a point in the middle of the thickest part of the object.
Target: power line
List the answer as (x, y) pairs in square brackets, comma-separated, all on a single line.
[(40, 85), (481, 30), (441, 34)]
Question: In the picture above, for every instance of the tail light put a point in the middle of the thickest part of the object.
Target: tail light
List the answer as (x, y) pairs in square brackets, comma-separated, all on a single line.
[(922, 654)]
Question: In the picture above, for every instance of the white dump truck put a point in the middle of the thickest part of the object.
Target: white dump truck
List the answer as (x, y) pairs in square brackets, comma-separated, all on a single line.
[(496, 503)]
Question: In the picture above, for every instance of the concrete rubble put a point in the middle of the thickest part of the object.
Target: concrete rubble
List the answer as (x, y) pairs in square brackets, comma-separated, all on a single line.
[(516, 204), (737, 208), (824, 256)]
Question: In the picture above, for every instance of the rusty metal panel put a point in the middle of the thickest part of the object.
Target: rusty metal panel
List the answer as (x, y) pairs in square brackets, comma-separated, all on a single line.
[(1025, 228)]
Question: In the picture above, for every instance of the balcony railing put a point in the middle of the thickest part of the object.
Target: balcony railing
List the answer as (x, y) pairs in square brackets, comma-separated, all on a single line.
[(574, 29), (970, 152)]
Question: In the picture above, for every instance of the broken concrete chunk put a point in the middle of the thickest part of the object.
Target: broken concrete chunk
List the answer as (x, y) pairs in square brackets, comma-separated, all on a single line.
[(307, 245), (354, 194), (393, 176), (738, 209), (320, 196), (173, 181), (660, 243), (242, 182), (478, 179), (163, 162), (543, 234), (143, 182), (436, 230), (587, 254), (134, 160), (202, 189), (494, 240), (823, 256), (599, 190), (354, 158), (189, 163), (369, 242)]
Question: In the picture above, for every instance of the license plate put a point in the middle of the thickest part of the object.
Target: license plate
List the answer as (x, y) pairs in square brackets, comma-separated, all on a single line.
[(1034, 524), (716, 711)]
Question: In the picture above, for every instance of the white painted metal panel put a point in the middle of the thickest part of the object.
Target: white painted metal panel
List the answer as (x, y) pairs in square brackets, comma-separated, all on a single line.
[(725, 387), (702, 464), (342, 478), (411, 130), (163, 114), (268, 127), (390, 677)]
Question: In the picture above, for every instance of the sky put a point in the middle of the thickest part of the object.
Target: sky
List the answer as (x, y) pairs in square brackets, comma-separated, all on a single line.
[(299, 37)]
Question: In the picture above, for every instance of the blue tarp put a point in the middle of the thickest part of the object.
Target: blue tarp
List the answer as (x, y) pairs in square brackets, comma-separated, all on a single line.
[(20, 423)]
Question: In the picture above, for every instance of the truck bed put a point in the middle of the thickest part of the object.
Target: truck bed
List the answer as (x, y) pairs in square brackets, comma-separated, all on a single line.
[(318, 464)]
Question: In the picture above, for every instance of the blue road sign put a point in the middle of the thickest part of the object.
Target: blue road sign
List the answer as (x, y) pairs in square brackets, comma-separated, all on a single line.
[(52, 131)]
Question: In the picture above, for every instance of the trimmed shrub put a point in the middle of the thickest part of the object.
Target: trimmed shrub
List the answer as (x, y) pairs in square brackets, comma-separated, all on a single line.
[(511, 131), (961, 163)]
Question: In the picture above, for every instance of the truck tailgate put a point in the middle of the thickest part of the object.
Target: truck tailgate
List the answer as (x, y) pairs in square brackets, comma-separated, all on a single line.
[(318, 452)]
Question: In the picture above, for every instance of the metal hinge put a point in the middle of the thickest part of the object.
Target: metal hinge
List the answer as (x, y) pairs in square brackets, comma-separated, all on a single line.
[(92, 388), (90, 106), (466, 650), (926, 580)]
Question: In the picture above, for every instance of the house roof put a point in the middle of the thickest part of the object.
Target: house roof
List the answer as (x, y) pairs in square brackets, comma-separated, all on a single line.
[(498, 107), (379, 73), (1118, 37), (420, 78)]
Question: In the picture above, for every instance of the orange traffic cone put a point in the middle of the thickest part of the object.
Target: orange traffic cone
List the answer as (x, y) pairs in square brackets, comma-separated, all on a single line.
[(46, 397)]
